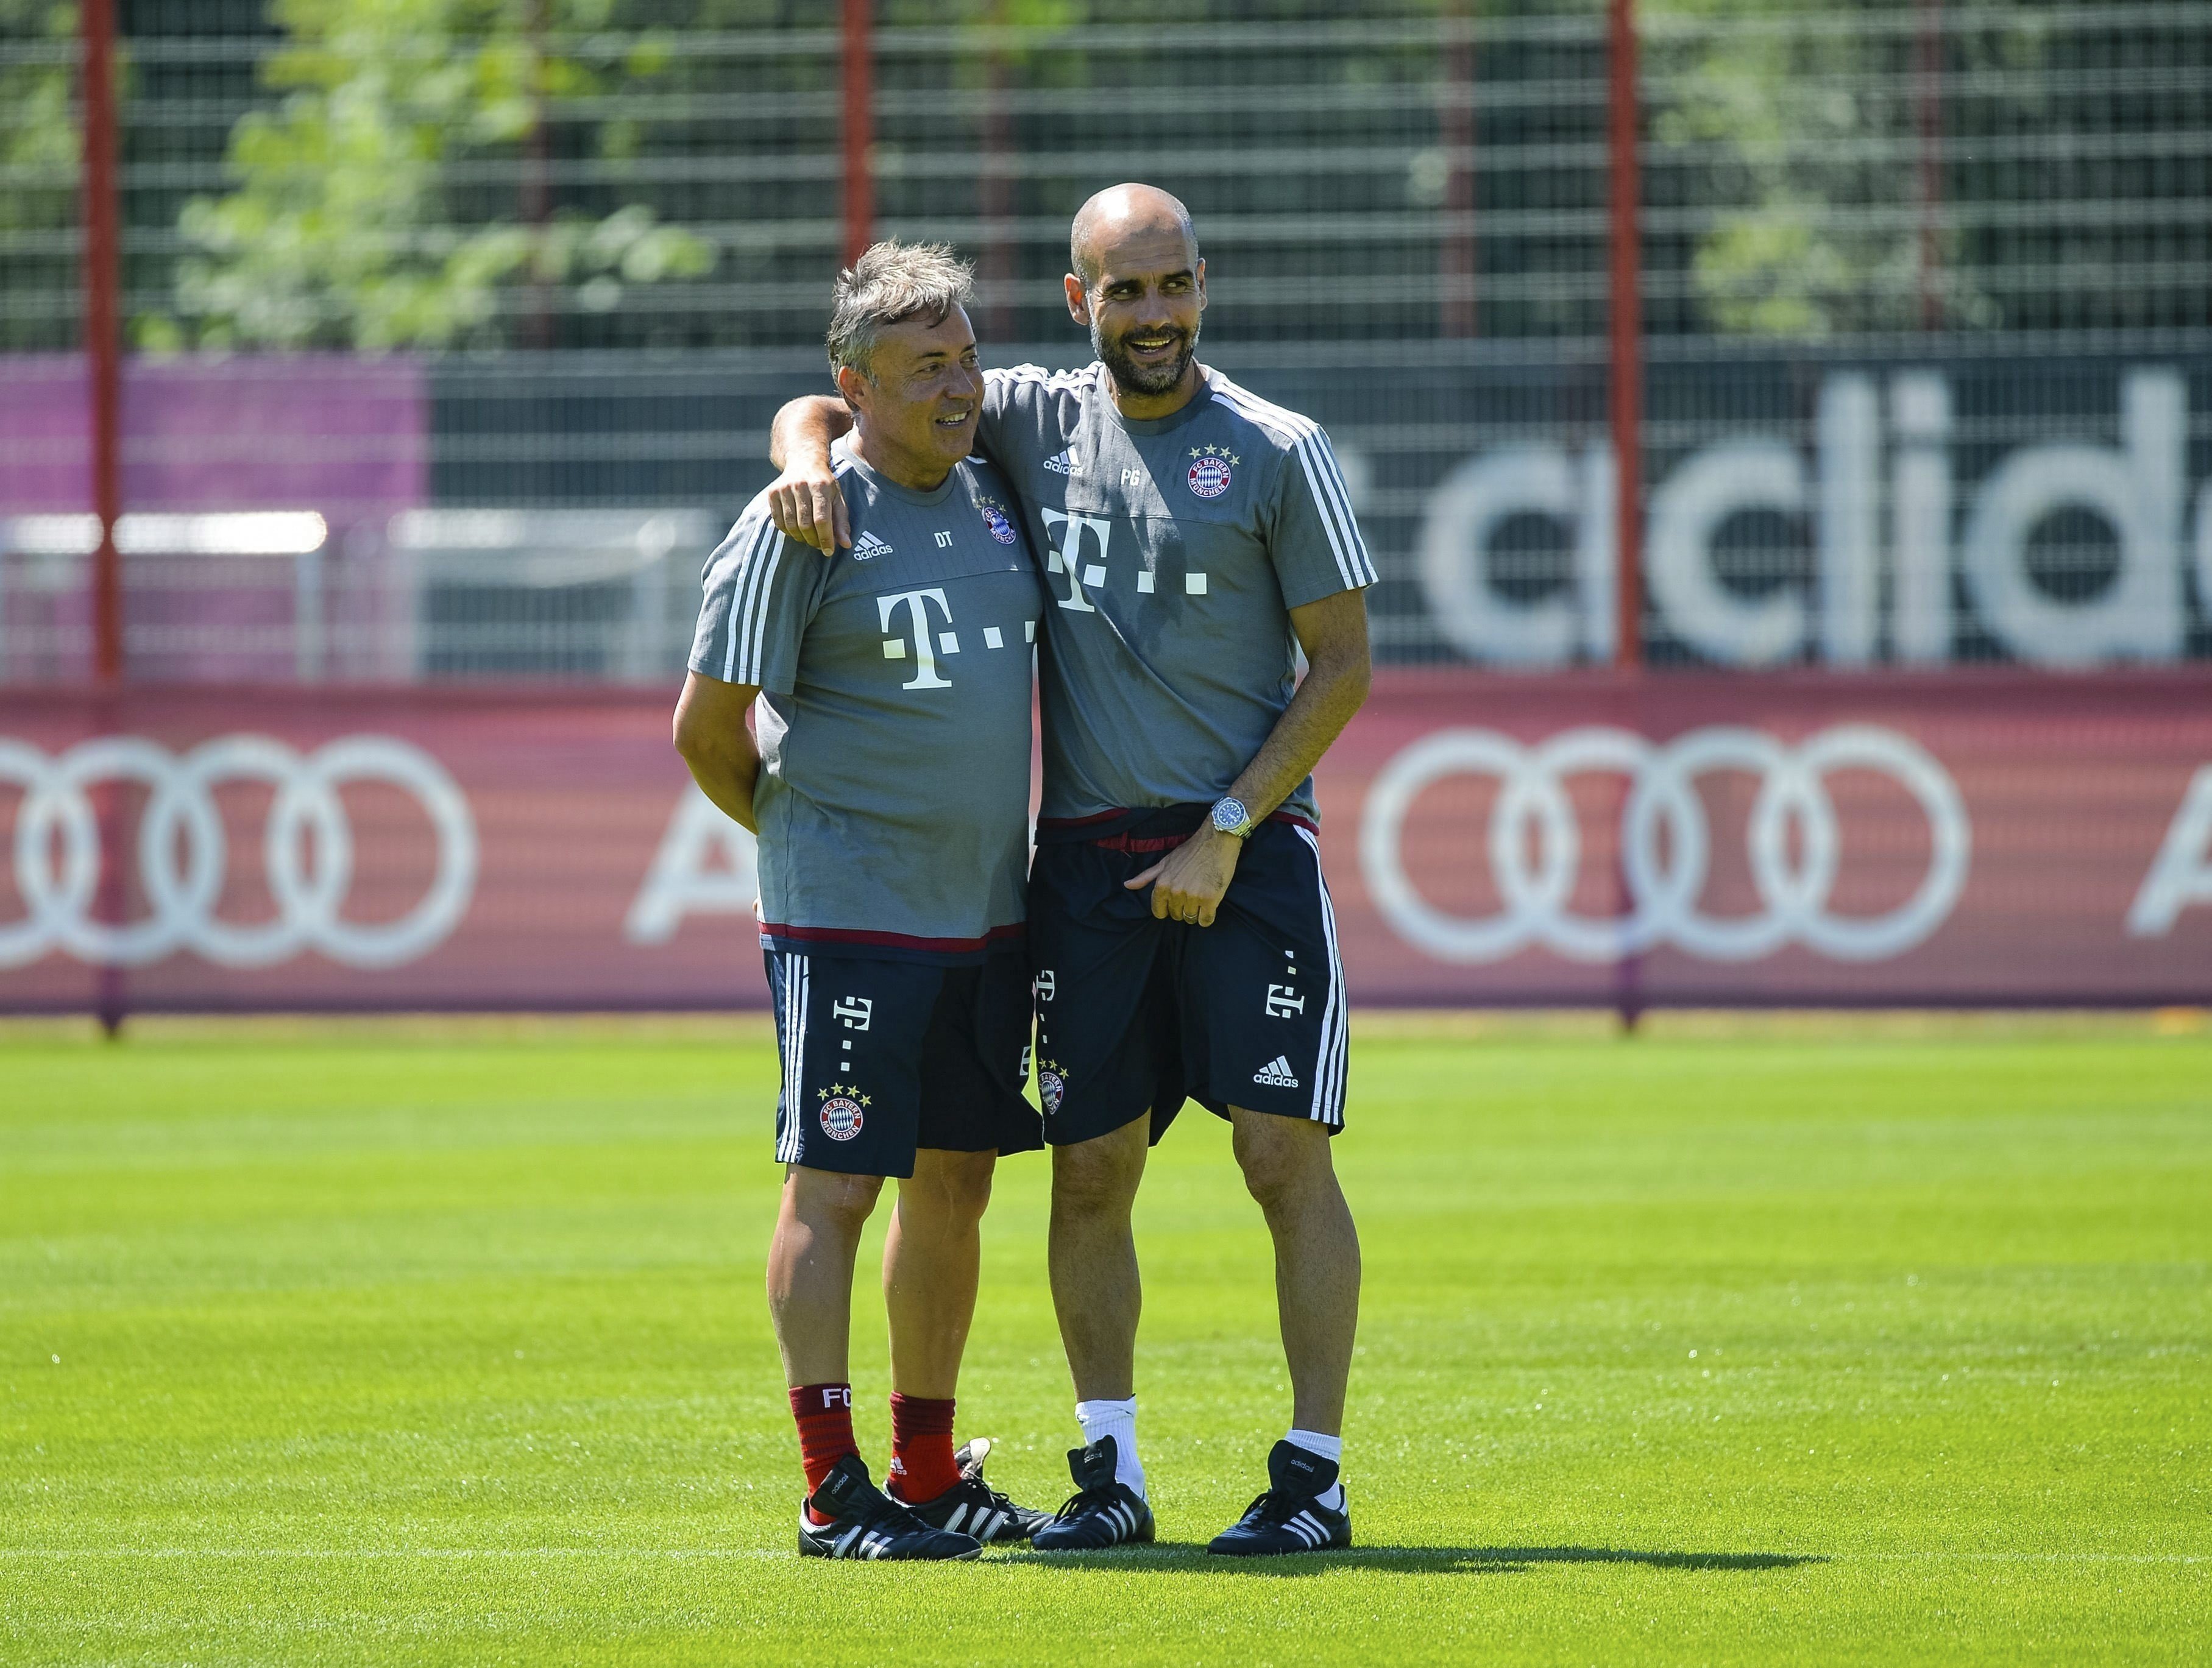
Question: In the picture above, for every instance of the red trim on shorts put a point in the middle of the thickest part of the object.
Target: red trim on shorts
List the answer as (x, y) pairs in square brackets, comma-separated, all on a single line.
[(837, 934), (1121, 842)]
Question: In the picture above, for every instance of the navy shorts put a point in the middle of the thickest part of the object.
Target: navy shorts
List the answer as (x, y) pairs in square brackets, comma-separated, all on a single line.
[(881, 1058), (1134, 1015)]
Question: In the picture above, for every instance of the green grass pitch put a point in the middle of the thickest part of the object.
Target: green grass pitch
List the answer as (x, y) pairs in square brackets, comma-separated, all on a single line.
[(1784, 1342)]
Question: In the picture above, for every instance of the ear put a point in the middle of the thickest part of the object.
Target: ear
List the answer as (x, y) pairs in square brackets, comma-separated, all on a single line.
[(1202, 283), (1079, 304), (853, 386)]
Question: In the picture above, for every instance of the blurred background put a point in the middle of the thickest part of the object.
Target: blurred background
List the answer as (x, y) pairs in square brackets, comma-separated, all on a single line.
[(397, 262), (376, 344)]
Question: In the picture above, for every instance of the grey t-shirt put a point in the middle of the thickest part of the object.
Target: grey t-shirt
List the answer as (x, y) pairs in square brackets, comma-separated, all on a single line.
[(894, 717), (1174, 551)]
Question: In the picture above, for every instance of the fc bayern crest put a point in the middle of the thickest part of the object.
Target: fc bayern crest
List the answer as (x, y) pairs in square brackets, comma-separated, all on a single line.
[(1211, 470), (841, 1118), (995, 518), (1052, 1086)]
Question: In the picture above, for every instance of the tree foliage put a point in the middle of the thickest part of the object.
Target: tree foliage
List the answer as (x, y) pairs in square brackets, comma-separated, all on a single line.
[(1811, 130), (355, 221)]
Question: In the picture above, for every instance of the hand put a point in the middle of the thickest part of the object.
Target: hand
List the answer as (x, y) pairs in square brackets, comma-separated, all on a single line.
[(806, 504), (1189, 882)]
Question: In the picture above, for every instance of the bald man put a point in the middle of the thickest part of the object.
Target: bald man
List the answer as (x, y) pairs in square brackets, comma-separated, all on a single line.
[(1180, 930)]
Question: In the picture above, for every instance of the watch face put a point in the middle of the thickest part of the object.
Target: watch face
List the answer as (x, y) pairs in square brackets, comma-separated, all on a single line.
[(1229, 814)]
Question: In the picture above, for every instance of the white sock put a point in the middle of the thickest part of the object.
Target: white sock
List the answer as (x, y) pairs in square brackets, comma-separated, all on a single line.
[(1330, 1448), (1119, 1420)]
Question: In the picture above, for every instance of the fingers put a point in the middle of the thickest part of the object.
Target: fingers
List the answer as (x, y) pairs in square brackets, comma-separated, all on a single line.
[(821, 496), (812, 512), (817, 523), (1147, 878), (783, 510), (1189, 909)]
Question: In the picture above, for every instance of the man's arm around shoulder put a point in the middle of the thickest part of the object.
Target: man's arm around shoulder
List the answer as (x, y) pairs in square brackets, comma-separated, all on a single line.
[(805, 502)]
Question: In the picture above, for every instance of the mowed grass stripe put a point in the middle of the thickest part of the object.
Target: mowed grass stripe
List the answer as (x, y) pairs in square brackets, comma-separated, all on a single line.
[(445, 1345)]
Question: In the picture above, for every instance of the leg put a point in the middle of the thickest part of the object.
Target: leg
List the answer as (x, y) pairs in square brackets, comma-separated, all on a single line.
[(810, 1270), (932, 1258), (1286, 1165), (1093, 1255)]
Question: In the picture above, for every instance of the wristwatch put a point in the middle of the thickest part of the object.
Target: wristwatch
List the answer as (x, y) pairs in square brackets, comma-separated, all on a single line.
[(1230, 817)]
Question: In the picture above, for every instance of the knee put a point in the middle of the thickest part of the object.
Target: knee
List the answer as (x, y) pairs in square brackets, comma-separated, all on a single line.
[(956, 1186), (1280, 1157), (841, 1202), (1098, 1175)]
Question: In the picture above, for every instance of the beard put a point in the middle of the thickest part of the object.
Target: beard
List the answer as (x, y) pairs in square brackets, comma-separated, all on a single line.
[(1136, 379)]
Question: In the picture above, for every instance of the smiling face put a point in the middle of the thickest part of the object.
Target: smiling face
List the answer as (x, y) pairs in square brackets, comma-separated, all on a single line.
[(917, 408), (1140, 286)]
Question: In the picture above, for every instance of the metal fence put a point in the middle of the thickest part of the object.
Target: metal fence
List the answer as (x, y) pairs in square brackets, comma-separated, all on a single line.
[(1925, 334)]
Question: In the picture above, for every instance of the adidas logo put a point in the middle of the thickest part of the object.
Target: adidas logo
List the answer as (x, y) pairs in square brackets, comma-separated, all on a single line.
[(1276, 1074), (1064, 463), (868, 545)]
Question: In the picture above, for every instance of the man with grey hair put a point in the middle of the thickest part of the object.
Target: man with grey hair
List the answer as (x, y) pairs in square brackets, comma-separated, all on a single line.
[(889, 789), (1194, 536)]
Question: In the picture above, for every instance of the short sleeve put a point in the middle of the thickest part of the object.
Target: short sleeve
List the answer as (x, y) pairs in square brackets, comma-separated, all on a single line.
[(1003, 396), (1316, 542), (760, 591), (1029, 413)]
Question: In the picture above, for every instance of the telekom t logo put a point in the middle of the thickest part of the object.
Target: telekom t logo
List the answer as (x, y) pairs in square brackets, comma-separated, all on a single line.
[(1069, 557), (927, 645)]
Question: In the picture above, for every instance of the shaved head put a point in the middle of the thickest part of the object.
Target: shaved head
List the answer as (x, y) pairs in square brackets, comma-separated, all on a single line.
[(1118, 213)]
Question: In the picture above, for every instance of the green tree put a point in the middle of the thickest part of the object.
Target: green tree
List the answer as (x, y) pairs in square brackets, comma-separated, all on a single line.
[(359, 219), (1806, 130), (38, 163)]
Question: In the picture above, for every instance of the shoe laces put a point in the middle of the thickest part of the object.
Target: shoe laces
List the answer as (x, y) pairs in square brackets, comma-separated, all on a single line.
[(885, 1513), (1085, 1500), (985, 1497), (1272, 1508)]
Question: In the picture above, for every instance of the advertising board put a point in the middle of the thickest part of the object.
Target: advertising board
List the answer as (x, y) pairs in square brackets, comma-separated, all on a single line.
[(1997, 837)]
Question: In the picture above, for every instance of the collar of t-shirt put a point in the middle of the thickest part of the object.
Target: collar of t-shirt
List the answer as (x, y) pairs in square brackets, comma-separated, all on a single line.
[(883, 483), (1174, 420)]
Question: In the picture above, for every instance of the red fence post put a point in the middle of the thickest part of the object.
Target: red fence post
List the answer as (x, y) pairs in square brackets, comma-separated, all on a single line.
[(995, 187), (858, 130), (103, 345), (1456, 120), (1928, 121), (1627, 329), (103, 351), (1627, 326)]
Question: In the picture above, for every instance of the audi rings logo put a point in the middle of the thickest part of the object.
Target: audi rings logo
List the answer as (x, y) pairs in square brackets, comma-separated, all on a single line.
[(1535, 844), (183, 855)]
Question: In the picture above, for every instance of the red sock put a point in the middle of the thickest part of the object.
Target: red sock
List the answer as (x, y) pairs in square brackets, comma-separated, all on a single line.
[(825, 1413), (922, 1448)]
